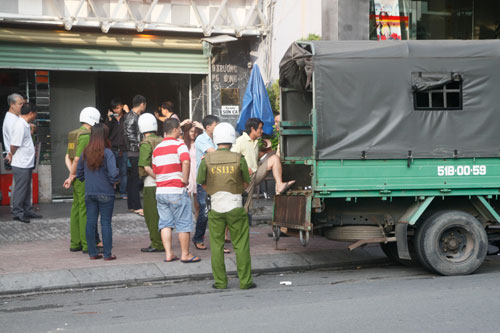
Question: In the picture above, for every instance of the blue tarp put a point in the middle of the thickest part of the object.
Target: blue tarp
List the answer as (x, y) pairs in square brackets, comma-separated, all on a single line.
[(256, 103)]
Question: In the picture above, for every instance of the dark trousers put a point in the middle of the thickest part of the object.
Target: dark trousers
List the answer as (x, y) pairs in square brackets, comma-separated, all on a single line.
[(201, 222), (133, 194), (21, 201), (121, 162), (99, 204)]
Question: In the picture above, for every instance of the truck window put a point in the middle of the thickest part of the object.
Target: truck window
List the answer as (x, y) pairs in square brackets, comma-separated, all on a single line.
[(437, 91)]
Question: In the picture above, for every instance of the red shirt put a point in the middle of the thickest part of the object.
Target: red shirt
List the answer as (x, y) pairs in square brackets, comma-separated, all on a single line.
[(167, 165)]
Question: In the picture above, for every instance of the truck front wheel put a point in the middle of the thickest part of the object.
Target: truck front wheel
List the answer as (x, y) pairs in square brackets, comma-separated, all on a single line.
[(452, 243)]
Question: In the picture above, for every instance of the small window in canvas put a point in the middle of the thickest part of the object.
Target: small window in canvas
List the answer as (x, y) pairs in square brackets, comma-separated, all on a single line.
[(437, 91)]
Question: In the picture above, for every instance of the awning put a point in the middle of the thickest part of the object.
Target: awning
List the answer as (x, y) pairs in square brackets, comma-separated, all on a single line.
[(54, 50)]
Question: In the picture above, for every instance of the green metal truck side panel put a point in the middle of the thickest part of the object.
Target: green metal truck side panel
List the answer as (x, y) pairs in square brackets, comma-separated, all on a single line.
[(466, 176)]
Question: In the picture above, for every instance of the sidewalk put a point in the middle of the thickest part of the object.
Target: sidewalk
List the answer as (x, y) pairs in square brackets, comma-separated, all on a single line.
[(36, 256)]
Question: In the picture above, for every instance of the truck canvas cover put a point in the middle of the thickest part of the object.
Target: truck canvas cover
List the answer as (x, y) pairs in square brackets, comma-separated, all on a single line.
[(389, 100)]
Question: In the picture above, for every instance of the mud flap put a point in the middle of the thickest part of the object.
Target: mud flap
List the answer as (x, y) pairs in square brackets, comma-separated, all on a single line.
[(402, 240)]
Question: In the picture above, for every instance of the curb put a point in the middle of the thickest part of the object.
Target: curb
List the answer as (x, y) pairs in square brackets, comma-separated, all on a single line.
[(133, 274)]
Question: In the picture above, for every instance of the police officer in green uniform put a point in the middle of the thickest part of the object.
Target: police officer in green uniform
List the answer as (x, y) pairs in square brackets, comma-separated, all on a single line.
[(78, 139), (224, 175), (148, 127)]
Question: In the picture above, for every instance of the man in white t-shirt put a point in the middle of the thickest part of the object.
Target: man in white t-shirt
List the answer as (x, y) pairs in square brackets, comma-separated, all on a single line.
[(22, 159), (15, 102)]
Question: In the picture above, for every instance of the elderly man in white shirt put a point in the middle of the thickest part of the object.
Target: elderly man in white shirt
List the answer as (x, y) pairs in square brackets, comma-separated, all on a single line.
[(15, 102), (22, 159)]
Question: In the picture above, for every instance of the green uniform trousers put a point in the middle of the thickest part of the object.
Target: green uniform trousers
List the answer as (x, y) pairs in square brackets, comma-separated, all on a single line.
[(78, 219), (236, 221), (151, 216)]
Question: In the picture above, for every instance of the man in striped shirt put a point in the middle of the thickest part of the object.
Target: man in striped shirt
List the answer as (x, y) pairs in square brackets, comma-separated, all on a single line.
[(171, 166)]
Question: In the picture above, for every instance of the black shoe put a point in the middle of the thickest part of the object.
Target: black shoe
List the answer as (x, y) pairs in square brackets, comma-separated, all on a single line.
[(253, 285), (85, 251), (33, 216), (215, 287), (22, 219), (75, 249), (151, 249), (100, 249)]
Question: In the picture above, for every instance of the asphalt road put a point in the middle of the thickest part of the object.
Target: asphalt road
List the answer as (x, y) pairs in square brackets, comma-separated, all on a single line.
[(391, 298)]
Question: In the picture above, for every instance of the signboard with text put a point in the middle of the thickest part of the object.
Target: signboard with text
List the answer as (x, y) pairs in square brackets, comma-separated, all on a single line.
[(230, 110)]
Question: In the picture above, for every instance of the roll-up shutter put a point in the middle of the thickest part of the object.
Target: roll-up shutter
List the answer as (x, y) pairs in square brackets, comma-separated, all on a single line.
[(52, 50)]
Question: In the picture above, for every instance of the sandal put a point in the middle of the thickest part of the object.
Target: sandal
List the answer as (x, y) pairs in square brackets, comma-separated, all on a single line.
[(287, 186), (139, 212), (227, 251), (200, 246), (192, 260)]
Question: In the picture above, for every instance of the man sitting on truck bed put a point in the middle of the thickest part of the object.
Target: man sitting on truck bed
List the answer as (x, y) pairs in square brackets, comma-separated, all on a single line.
[(248, 145)]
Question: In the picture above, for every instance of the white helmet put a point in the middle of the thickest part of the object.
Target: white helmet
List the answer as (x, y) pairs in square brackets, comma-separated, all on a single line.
[(224, 133), (147, 123), (90, 115)]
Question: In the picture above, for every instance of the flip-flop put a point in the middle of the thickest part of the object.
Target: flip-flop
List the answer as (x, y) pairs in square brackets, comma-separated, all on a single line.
[(139, 212), (197, 246), (227, 251), (287, 187), (193, 259), (173, 259)]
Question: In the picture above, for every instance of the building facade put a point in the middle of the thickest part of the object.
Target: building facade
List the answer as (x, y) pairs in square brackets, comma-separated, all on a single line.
[(64, 55)]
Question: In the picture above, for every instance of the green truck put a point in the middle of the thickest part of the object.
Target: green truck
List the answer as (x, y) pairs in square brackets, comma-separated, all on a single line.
[(396, 143)]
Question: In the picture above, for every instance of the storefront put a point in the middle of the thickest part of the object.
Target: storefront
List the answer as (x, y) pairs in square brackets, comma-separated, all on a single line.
[(434, 19), (64, 71)]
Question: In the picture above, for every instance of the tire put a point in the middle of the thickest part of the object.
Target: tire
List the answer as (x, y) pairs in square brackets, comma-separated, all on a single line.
[(391, 251), (451, 243), (419, 243)]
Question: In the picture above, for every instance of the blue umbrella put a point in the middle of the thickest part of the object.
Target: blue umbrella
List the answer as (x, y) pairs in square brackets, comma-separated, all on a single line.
[(256, 103)]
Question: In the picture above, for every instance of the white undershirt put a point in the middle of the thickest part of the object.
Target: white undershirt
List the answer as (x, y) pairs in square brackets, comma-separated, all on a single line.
[(149, 182), (223, 202)]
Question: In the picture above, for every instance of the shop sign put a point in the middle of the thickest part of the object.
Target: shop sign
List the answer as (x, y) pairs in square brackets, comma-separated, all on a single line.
[(230, 110)]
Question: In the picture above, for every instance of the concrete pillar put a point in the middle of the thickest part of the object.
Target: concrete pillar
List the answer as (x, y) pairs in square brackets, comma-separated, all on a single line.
[(45, 183), (345, 19)]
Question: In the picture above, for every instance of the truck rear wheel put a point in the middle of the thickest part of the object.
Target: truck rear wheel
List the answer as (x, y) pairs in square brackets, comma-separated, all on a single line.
[(419, 244), (451, 243)]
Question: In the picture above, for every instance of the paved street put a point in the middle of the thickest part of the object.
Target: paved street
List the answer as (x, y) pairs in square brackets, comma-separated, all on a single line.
[(388, 299)]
